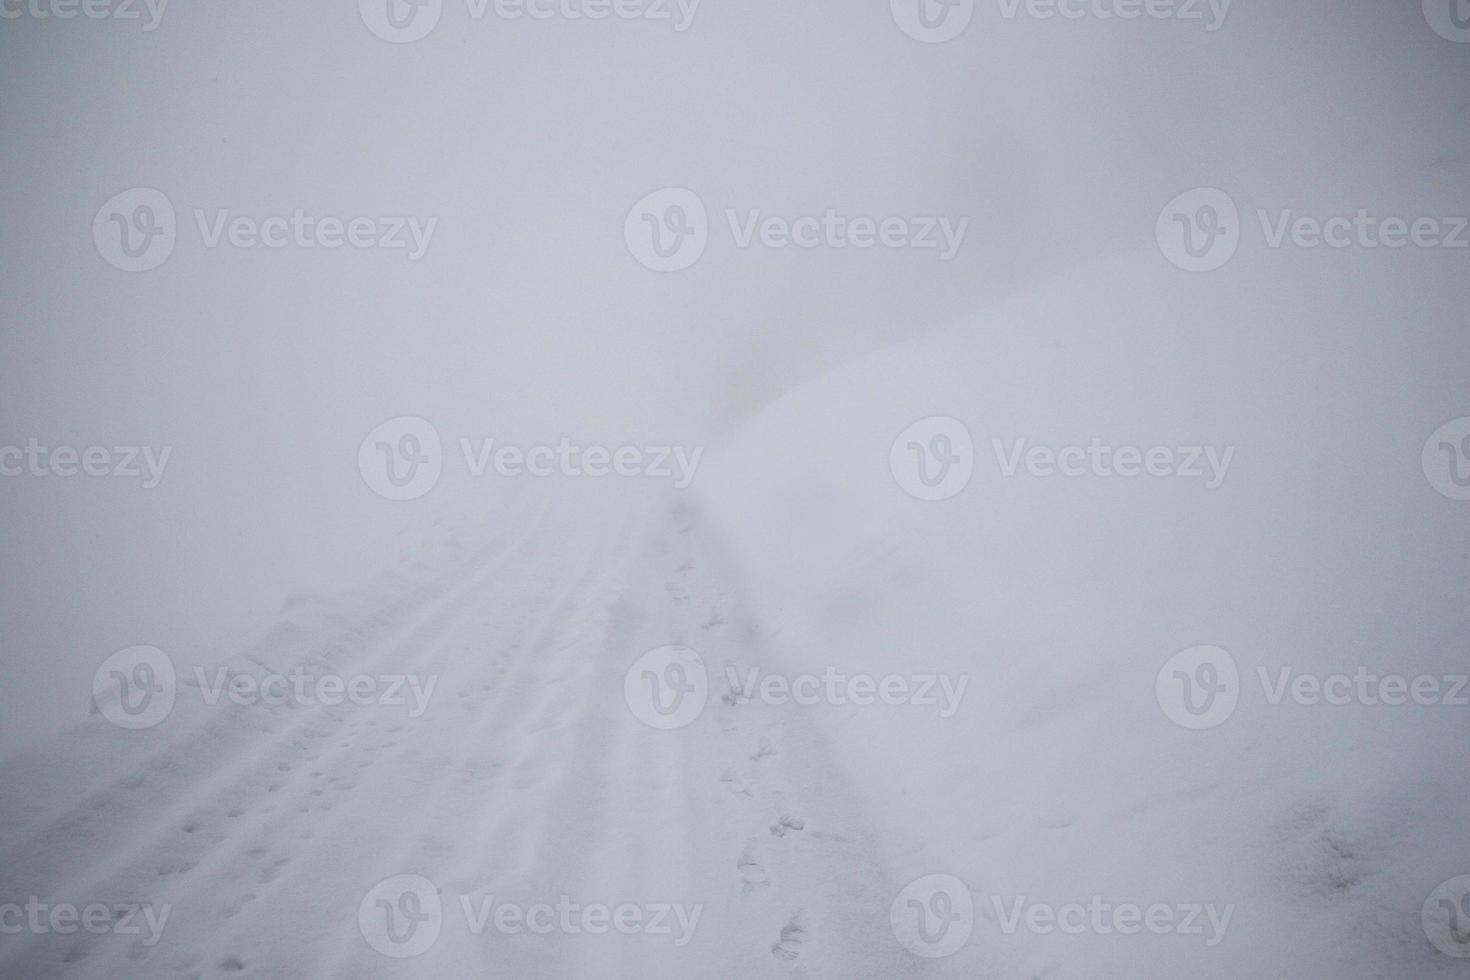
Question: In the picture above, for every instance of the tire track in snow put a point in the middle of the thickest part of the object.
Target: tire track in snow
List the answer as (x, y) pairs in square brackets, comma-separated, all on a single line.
[(168, 850), (528, 779), (436, 845)]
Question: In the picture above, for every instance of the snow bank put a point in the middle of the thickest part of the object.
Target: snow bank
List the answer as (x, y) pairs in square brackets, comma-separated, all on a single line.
[(1061, 778)]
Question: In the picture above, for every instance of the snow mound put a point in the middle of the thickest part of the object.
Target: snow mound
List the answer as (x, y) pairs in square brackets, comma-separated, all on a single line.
[(1319, 829)]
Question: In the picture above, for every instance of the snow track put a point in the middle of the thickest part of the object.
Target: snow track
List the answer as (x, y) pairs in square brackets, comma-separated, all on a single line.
[(268, 832)]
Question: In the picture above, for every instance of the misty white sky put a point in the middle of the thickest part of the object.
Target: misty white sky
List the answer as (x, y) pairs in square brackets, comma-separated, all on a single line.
[(528, 319)]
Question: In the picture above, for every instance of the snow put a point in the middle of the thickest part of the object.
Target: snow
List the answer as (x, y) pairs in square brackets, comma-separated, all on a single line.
[(838, 696), (1323, 827), (526, 795), (1036, 772)]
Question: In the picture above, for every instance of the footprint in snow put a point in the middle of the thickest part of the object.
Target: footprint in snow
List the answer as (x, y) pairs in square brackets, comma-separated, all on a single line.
[(736, 783), (752, 871), (735, 693), (793, 937), (786, 820)]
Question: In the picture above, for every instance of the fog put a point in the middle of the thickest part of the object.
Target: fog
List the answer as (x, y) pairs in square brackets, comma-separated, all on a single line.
[(515, 148)]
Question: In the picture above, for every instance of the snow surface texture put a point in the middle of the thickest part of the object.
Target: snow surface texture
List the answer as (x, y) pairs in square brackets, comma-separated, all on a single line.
[(1306, 838), (264, 830), (1061, 600), (907, 682)]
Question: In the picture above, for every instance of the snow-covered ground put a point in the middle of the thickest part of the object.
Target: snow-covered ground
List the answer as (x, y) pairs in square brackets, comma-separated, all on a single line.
[(1311, 545), (786, 822), (513, 775), (1022, 607)]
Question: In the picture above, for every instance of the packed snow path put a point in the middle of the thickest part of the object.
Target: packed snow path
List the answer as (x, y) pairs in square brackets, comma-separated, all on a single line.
[(546, 831)]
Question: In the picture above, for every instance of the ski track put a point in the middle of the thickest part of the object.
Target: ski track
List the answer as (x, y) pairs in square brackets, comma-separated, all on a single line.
[(526, 779)]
